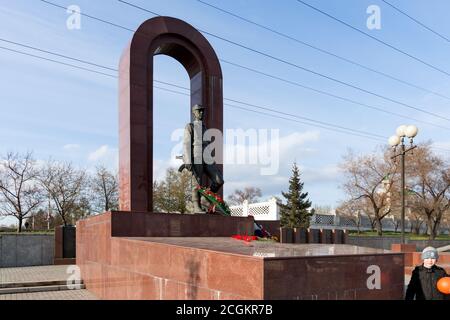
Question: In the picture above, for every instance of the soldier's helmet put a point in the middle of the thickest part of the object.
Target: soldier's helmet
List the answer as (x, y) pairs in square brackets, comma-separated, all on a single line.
[(198, 107)]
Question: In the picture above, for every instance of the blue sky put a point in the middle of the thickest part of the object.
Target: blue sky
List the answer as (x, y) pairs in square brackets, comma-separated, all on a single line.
[(70, 114)]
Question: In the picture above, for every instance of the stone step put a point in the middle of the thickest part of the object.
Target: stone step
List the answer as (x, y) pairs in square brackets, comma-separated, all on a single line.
[(44, 288), (32, 284)]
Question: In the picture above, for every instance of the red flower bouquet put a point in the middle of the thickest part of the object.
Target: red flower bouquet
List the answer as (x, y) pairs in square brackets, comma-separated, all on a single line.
[(217, 204)]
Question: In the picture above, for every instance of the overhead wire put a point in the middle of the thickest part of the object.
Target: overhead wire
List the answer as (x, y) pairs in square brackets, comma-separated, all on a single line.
[(324, 51), (112, 69), (319, 74), (416, 21), (276, 113), (250, 69), (372, 37)]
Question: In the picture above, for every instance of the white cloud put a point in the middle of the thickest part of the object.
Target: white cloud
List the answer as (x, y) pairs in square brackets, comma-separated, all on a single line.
[(246, 176), (160, 167), (99, 153), (297, 139), (71, 147), (441, 145), (8, 221), (292, 147), (442, 149), (107, 156), (325, 174), (267, 151)]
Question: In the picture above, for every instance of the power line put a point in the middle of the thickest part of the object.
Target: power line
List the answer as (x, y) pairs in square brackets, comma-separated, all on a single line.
[(275, 110), (280, 79), (233, 64), (284, 35), (365, 105), (321, 92), (59, 62), (317, 123), (89, 16), (288, 119), (308, 70), (56, 54), (297, 121), (374, 38), (352, 131), (417, 21), (320, 124), (305, 118)]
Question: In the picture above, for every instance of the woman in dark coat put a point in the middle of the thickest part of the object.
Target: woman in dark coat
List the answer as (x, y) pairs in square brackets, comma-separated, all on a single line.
[(423, 284)]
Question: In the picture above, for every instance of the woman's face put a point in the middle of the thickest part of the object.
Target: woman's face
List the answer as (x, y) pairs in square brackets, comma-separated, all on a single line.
[(428, 263)]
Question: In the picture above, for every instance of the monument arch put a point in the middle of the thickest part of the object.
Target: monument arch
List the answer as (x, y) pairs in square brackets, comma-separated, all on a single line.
[(181, 41)]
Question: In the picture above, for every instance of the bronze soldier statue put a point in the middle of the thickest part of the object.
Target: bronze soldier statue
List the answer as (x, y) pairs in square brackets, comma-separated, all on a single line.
[(194, 145)]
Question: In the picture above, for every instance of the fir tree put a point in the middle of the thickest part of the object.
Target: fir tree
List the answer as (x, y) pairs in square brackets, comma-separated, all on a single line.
[(295, 213)]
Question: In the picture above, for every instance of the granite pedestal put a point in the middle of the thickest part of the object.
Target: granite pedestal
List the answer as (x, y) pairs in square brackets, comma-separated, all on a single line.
[(126, 255)]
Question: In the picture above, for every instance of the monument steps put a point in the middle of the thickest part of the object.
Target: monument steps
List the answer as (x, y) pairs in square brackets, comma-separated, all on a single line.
[(41, 286)]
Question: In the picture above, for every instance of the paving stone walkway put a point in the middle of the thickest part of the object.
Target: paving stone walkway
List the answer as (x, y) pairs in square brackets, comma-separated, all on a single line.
[(37, 275), (49, 273), (51, 295), (34, 274)]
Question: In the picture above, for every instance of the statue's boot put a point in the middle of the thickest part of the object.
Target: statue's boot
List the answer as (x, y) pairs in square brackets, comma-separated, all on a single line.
[(196, 202), (198, 209)]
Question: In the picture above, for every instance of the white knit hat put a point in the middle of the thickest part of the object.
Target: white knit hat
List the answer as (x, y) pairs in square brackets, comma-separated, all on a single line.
[(430, 253)]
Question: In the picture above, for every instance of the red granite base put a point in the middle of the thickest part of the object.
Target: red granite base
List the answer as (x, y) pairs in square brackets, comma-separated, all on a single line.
[(207, 267)]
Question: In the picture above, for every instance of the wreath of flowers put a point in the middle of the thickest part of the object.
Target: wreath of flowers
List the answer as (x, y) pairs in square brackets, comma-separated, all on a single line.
[(217, 203)]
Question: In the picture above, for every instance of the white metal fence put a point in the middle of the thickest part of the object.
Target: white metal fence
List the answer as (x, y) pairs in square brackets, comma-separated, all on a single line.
[(270, 211)]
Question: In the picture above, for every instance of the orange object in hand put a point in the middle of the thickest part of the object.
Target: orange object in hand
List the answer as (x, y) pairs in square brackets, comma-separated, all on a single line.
[(443, 285)]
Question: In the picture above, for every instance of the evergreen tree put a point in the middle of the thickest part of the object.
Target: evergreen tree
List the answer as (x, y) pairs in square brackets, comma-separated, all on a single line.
[(295, 213)]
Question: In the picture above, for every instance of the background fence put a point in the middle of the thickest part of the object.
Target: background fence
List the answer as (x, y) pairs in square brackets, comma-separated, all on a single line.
[(22, 250), (270, 211)]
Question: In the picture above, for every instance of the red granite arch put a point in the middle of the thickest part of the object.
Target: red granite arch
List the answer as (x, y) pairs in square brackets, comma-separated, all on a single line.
[(178, 39)]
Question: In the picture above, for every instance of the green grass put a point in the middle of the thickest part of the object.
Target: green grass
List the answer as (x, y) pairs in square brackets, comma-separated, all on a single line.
[(408, 235)]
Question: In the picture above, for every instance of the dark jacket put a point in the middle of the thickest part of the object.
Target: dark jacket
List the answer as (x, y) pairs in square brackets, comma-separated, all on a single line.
[(423, 284)]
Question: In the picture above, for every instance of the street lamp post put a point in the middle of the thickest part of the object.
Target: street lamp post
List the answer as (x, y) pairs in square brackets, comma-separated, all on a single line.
[(401, 133)]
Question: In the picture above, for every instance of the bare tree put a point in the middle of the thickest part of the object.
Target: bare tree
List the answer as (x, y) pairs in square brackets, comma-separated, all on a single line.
[(430, 185), (370, 178), (104, 186), (20, 194), (324, 209), (351, 210), (445, 223), (396, 213), (173, 194), (251, 194), (394, 218), (42, 220), (416, 221), (65, 186)]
